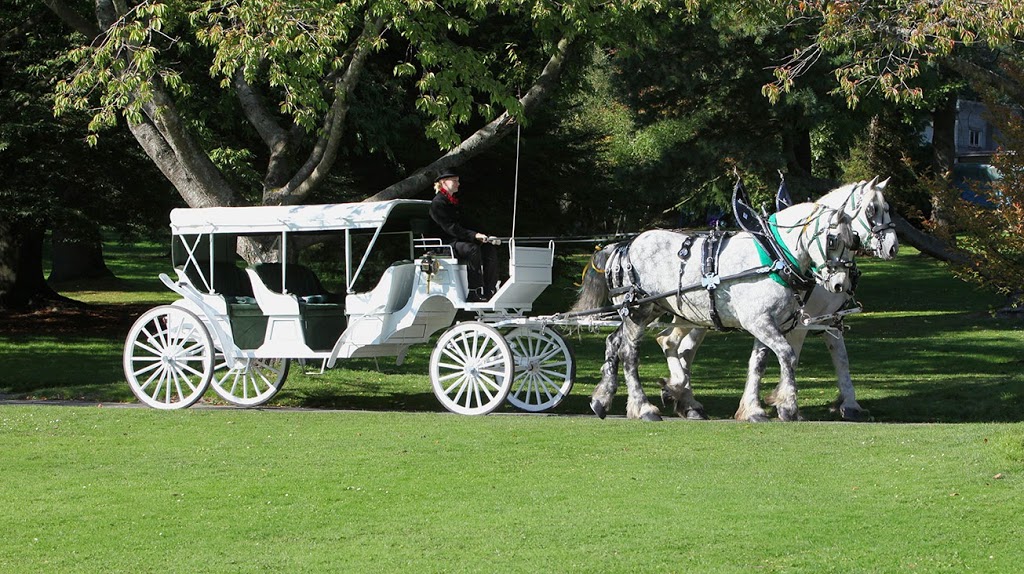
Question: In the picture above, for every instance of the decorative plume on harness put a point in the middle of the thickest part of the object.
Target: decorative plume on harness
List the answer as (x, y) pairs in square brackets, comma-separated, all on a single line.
[(782, 198), (760, 228)]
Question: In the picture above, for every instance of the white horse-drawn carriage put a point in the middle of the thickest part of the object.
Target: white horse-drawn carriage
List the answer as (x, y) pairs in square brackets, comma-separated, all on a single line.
[(237, 327)]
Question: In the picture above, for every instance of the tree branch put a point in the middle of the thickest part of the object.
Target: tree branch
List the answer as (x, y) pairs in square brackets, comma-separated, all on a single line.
[(72, 18), (325, 151), (487, 136), (195, 176), (279, 140), (257, 113), (972, 71), (928, 244)]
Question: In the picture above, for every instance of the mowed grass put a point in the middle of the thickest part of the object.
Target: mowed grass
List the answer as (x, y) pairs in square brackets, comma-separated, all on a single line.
[(216, 490)]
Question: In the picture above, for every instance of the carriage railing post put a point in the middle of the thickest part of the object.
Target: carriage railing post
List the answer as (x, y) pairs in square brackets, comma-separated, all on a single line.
[(284, 260), (366, 255), (348, 261), (211, 263)]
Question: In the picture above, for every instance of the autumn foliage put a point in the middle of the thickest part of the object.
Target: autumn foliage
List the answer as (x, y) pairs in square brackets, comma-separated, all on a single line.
[(992, 236)]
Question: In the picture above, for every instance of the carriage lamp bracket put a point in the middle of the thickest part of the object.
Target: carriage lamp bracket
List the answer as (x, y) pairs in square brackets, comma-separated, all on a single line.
[(429, 266)]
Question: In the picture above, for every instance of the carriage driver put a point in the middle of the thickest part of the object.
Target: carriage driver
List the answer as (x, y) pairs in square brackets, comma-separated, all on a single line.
[(473, 248)]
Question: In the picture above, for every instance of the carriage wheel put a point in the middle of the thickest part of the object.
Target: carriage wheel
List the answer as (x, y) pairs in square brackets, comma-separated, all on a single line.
[(471, 369), (249, 382), (545, 368), (168, 358)]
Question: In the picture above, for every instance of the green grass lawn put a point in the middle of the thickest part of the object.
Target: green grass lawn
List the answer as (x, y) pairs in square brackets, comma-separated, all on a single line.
[(388, 483), (134, 490)]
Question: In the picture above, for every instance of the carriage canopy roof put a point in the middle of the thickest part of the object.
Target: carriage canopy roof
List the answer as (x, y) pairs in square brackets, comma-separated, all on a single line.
[(394, 215)]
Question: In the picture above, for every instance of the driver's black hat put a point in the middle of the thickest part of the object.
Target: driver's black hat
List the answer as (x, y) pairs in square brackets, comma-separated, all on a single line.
[(445, 174)]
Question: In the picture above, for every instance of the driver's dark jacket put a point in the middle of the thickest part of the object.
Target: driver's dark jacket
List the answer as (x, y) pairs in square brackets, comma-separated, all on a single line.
[(448, 217)]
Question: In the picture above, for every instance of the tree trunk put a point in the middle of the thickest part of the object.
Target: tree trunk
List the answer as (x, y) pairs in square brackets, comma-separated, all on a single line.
[(22, 286), (77, 258), (928, 244)]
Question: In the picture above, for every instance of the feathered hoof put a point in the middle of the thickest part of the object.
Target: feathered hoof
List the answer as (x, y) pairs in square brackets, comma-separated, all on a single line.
[(787, 415), (696, 415), (855, 415), (598, 409), (754, 418), (651, 416)]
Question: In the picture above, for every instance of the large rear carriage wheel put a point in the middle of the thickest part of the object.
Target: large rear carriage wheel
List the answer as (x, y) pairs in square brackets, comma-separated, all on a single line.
[(168, 358), (471, 369), (249, 382), (545, 368)]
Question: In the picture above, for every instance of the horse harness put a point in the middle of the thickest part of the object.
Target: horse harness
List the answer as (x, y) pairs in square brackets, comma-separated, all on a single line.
[(622, 279)]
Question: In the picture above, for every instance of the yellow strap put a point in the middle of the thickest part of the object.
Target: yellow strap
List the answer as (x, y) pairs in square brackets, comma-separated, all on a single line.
[(588, 266)]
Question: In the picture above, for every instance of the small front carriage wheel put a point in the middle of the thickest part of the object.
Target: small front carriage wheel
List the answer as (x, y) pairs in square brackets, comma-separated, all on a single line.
[(471, 369), (249, 382), (545, 368), (168, 358)]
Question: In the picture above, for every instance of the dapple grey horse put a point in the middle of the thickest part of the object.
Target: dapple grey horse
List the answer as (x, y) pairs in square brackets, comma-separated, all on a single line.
[(868, 210), (742, 289)]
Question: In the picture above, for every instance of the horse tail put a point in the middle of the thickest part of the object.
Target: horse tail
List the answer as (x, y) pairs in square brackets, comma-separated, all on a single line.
[(594, 288)]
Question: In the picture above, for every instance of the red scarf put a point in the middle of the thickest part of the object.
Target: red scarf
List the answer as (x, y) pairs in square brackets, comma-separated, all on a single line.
[(451, 198)]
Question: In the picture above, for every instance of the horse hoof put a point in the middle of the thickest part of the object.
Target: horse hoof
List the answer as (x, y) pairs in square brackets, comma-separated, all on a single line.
[(598, 409), (855, 415), (790, 416), (696, 415), (651, 417), (761, 418)]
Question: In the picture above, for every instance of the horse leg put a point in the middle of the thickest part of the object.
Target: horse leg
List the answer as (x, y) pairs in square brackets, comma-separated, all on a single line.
[(680, 345), (750, 409), (796, 339), (637, 406), (846, 404), (601, 398), (784, 397)]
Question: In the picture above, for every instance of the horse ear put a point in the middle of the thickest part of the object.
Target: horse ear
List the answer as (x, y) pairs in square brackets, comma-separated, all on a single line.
[(782, 197), (881, 185), (873, 182)]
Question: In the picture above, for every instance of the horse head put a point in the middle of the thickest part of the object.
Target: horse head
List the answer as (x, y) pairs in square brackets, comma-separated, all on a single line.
[(875, 221), (821, 241), (835, 269), (868, 210)]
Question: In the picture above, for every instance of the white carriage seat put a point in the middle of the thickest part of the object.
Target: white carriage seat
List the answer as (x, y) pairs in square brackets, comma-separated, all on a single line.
[(271, 302), (529, 275), (391, 294)]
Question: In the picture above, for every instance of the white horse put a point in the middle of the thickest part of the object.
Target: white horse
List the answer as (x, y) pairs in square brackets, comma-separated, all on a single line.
[(654, 274), (865, 204)]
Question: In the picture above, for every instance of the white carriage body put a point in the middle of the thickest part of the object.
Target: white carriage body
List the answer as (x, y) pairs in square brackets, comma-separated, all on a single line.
[(236, 327), (411, 301)]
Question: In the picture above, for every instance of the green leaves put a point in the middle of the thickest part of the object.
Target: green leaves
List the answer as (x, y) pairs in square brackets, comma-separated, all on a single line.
[(457, 51), (885, 44)]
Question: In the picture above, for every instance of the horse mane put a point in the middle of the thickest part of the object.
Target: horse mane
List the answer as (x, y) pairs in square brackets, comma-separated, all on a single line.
[(841, 194)]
